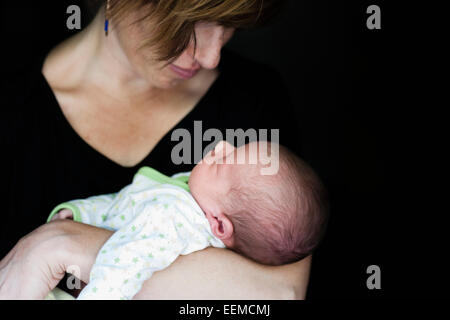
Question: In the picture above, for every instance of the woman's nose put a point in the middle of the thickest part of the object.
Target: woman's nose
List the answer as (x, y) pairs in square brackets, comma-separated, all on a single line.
[(209, 43)]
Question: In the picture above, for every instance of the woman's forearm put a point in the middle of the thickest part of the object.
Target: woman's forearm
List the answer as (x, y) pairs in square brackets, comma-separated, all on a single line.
[(82, 244), (208, 274), (222, 274)]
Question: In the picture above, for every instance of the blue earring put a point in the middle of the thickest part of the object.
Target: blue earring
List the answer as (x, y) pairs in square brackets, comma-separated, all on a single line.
[(106, 27), (107, 18)]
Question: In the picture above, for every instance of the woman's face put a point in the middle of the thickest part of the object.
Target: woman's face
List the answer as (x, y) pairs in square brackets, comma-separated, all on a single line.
[(210, 37)]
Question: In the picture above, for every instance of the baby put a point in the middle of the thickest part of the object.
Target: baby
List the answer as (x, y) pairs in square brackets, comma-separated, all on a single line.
[(224, 202)]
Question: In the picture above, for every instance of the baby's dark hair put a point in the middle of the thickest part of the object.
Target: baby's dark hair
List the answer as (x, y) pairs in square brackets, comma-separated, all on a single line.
[(279, 218)]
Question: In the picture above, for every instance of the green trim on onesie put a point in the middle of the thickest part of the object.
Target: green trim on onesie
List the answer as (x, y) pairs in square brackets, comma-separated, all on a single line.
[(75, 211), (184, 179), (158, 176)]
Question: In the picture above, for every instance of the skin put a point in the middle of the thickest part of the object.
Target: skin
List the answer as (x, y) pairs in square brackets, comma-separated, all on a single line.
[(125, 88), (212, 179), (45, 254), (122, 104), (210, 182)]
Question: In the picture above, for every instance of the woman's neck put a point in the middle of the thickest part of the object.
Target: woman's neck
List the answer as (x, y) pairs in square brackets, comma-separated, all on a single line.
[(91, 58)]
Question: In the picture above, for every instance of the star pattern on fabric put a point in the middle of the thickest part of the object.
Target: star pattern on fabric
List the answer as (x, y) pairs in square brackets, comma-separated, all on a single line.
[(162, 228)]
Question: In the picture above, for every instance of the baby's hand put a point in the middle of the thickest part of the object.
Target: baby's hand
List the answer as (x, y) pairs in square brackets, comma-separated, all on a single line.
[(63, 214)]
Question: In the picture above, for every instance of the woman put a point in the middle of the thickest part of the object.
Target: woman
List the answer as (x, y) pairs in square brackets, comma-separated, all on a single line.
[(104, 103)]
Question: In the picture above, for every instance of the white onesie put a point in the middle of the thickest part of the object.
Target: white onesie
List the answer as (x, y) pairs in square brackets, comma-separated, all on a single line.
[(155, 220)]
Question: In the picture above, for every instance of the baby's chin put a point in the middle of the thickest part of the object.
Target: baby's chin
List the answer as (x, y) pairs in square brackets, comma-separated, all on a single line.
[(199, 184)]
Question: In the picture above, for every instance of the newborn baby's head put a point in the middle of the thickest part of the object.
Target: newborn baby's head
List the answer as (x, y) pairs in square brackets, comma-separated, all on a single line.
[(273, 219)]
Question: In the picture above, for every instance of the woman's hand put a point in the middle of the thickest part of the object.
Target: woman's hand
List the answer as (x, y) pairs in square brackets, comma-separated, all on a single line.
[(31, 268), (39, 260)]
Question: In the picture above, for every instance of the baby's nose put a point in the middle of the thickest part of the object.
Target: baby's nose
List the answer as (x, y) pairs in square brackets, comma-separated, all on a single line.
[(208, 158)]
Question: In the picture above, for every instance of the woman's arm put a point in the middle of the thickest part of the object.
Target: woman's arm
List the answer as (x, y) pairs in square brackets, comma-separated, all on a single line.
[(208, 274), (222, 274), (40, 259)]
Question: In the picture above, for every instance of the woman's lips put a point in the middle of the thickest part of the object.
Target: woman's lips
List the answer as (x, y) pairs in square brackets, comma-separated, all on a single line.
[(184, 73)]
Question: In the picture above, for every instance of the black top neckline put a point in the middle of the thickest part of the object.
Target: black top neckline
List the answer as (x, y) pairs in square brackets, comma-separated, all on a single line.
[(47, 163), (183, 122)]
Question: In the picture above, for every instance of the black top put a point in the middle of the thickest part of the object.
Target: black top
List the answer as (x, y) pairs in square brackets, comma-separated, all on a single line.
[(45, 162)]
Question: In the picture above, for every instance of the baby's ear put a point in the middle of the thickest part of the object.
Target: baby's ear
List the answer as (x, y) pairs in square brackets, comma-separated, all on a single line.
[(222, 227)]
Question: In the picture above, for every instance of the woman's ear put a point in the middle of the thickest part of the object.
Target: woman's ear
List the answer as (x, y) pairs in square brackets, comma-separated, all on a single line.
[(222, 227)]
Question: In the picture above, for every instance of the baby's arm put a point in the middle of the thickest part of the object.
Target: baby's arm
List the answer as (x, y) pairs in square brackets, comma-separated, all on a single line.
[(147, 244), (150, 242), (93, 210), (110, 211)]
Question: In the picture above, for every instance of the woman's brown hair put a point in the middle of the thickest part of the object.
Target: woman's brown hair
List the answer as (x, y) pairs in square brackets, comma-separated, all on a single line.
[(175, 19)]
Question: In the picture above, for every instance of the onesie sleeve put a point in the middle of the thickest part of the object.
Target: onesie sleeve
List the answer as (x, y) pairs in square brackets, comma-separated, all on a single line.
[(90, 211), (110, 211), (151, 241)]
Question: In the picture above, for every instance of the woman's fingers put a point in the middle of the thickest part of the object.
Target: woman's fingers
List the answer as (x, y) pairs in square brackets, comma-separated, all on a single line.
[(82, 243), (33, 267)]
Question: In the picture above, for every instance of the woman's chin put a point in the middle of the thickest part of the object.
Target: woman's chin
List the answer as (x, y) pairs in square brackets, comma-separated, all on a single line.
[(168, 83)]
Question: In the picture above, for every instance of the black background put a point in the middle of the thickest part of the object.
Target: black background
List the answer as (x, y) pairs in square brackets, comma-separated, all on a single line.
[(343, 80)]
